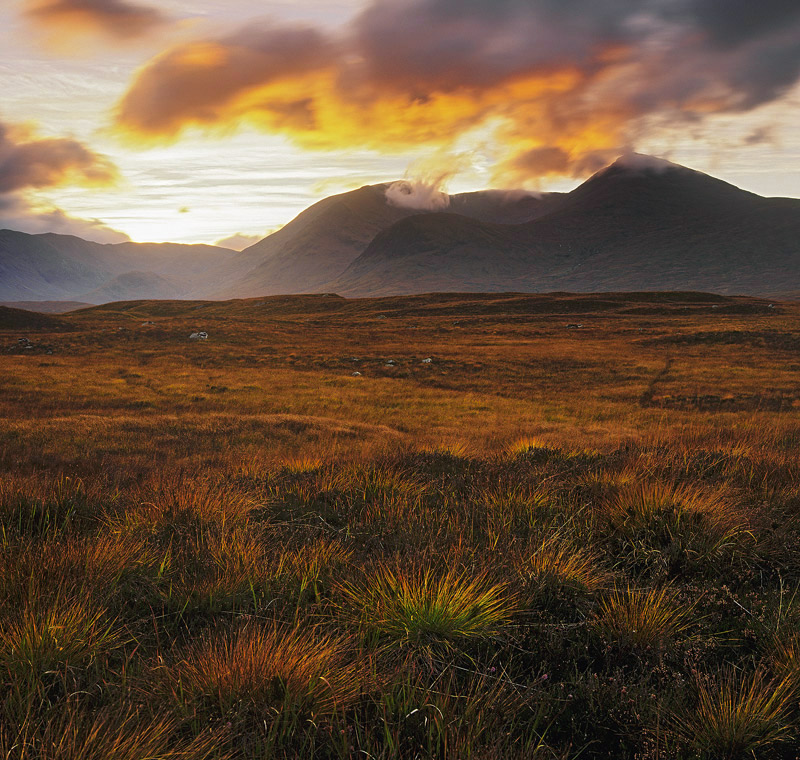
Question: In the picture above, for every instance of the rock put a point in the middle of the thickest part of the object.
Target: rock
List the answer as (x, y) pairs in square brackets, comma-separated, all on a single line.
[(199, 336), (356, 374), (574, 326), (427, 361)]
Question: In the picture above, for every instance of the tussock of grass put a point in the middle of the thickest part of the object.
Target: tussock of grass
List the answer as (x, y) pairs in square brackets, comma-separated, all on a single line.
[(264, 669), (557, 562), (99, 566), (422, 606), (179, 501), (529, 448), (33, 507), (107, 736), (646, 618), (737, 714), (689, 523), (67, 633)]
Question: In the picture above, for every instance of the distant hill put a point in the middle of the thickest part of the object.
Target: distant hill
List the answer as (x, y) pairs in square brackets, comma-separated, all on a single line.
[(66, 268), (317, 246), (640, 224), (19, 319), (47, 307)]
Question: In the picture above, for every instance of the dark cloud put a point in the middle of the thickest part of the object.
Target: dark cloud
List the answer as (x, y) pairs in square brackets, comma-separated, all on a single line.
[(117, 18), (39, 163), (563, 83), (30, 163), (732, 22)]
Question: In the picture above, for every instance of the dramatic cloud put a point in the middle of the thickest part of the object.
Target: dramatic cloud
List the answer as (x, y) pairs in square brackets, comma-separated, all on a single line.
[(554, 86), (116, 18), (29, 163)]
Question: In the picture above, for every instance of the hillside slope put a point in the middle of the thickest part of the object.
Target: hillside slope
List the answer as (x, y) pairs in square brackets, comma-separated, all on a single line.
[(637, 225)]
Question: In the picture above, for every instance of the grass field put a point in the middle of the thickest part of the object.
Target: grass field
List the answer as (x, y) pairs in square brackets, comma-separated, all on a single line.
[(573, 532)]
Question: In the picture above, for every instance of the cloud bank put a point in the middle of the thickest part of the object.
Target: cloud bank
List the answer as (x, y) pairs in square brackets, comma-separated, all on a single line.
[(562, 86)]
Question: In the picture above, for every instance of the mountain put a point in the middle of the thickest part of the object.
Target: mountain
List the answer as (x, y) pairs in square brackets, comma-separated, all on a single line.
[(318, 245), (65, 268), (132, 286), (640, 224)]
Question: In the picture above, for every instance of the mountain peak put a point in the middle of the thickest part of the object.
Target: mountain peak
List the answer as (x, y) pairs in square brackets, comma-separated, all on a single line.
[(641, 162)]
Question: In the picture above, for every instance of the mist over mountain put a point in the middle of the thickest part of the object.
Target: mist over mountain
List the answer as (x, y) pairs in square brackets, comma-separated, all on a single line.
[(640, 224)]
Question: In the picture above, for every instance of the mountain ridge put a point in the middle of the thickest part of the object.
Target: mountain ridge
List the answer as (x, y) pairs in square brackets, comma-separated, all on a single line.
[(639, 224)]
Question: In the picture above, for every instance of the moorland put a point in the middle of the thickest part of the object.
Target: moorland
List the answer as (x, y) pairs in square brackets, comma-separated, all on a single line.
[(452, 526)]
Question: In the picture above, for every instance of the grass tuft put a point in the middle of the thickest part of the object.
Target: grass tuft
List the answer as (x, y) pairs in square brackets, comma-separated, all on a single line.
[(647, 618), (264, 669), (422, 606), (737, 714)]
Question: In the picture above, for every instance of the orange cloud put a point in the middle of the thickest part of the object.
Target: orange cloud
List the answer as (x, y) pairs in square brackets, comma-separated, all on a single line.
[(115, 18), (560, 87)]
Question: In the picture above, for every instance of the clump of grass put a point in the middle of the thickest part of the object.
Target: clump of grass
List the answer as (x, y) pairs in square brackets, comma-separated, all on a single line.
[(643, 503), (555, 562), (736, 715), (311, 564), (302, 465), (423, 606), (219, 567), (483, 716), (179, 501), (263, 670), (529, 448), (518, 504), (43, 643), (679, 521), (107, 736), (97, 565), (369, 493), (646, 618), (34, 508)]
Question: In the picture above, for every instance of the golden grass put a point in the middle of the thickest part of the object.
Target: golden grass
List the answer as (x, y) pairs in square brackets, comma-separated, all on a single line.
[(645, 618), (416, 564), (423, 606), (171, 501), (107, 736), (265, 669), (704, 522), (556, 561), (46, 638), (93, 565), (737, 714)]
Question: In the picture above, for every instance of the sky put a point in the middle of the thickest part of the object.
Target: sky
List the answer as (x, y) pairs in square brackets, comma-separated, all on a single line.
[(220, 120)]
